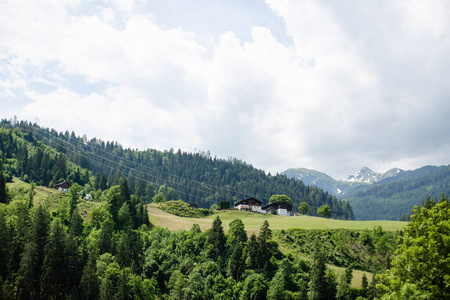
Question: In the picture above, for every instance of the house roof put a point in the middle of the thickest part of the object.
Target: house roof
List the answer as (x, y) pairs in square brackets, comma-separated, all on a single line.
[(277, 205), (64, 183), (249, 201)]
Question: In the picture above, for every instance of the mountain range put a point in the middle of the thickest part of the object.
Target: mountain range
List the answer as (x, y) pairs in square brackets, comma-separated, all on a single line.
[(387, 195)]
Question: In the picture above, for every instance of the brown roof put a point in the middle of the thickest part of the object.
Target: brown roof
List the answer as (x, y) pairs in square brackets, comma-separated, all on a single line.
[(249, 201), (277, 205)]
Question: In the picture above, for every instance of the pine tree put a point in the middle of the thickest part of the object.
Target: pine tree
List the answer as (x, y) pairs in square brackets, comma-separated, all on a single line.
[(89, 284), (217, 237), (125, 196), (73, 194), (124, 220), (343, 288), (364, 286), (318, 283), (76, 224), (5, 242), (28, 281), (265, 235), (236, 264), (252, 249), (3, 189), (53, 276), (105, 237)]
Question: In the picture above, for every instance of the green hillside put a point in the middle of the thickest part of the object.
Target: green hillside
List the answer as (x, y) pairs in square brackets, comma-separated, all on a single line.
[(253, 221), (394, 195), (46, 156)]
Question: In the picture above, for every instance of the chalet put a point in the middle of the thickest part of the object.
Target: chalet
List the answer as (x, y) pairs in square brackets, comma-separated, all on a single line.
[(280, 208), (249, 204), (62, 186)]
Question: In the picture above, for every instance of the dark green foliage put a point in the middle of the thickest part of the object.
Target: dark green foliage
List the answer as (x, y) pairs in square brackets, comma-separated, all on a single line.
[(182, 209), (74, 197), (364, 287), (125, 195), (280, 198), (124, 219), (303, 208), (105, 243), (194, 177), (420, 266), (324, 211), (76, 224), (255, 287), (343, 288), (318, 284), (54, 268), (159, 198), (217, 238), (236, 263), (224, 204), (32, 259), (366, 249), (3, 189), (89, 284)]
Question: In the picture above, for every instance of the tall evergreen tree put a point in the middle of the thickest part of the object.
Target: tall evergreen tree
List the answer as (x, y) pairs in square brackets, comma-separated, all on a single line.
[(105, 243), (3, 189), (28, 280), (89, 284), (53, 278), (252, 250), (125, 195), (265, 235), (217, 237), (343, 288), (236, 264), (318, 283)]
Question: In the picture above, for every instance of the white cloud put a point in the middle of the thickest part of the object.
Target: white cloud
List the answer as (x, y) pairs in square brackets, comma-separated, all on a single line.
[(358, 85)]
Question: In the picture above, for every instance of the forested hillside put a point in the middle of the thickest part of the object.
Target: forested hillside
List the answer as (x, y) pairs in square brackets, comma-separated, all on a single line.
[(393, 199), (28, 150), (50, 251), (61, 246), (391, 196)]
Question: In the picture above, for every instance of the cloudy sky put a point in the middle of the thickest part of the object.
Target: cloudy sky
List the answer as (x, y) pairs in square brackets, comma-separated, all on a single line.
[(327, 85)]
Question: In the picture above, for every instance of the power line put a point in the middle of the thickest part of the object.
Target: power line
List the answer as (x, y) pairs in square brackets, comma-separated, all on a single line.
[(132, 168), (112, 168)]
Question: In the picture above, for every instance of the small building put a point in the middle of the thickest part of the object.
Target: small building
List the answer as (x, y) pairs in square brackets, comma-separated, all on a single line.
[(193, 205), (62, 186), (279, 208), (249, 204), (88, 197)]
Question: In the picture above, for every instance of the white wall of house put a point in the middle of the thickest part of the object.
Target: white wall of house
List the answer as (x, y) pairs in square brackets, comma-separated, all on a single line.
[(283, 212), (258, 209)]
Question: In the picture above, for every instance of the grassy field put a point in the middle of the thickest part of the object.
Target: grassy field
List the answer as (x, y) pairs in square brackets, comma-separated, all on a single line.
[(253, 221), (53, 199)]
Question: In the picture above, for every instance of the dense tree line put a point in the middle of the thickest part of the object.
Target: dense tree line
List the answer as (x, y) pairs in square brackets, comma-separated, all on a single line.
[(390, 200), (368, 250), (420, 267), (114, 253), (192, 177)]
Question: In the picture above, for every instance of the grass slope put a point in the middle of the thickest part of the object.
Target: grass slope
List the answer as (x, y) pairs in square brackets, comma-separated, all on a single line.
[(53, 199), (253, 221)]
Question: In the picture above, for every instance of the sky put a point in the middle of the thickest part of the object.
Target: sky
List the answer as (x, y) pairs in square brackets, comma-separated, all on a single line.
[(326, 85)]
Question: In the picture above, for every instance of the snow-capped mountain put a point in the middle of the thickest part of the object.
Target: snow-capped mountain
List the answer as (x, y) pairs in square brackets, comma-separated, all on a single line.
[(387, 195), (366, 175)]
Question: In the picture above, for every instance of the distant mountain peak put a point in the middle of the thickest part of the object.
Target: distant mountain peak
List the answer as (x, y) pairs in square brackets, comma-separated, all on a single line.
[(365, 175)]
